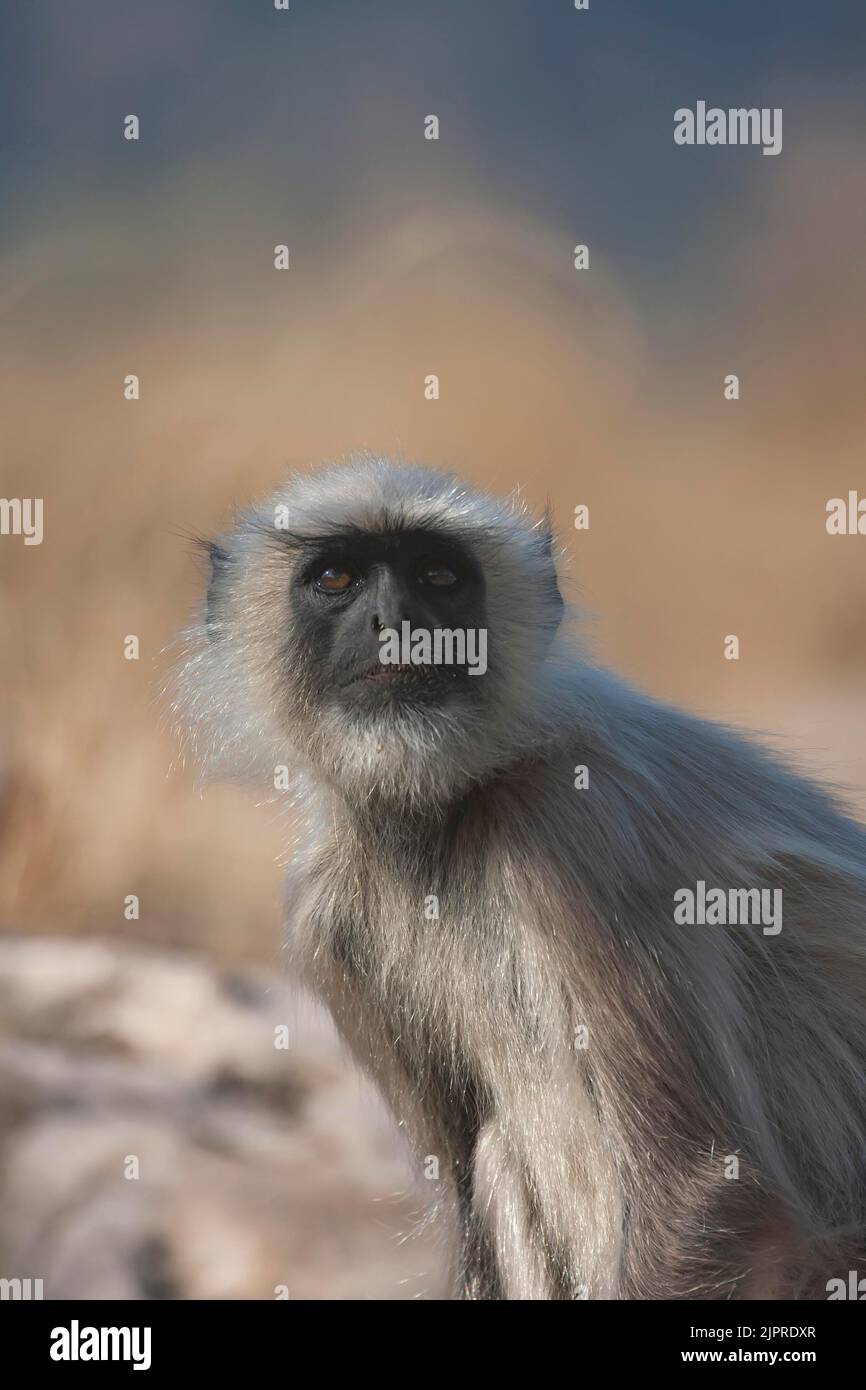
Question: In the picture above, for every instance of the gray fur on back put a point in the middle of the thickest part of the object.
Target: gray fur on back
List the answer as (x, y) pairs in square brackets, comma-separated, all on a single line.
[(579, 1170)]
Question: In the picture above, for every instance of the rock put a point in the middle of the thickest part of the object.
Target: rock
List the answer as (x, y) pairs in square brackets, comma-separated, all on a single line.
[(155, 1143)]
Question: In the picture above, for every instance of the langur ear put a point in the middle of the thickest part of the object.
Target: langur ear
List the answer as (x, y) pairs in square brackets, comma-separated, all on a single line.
[(219, 564), (552, 594)]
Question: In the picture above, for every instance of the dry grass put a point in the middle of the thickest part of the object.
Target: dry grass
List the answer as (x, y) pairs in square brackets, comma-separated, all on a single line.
[(706, 517)]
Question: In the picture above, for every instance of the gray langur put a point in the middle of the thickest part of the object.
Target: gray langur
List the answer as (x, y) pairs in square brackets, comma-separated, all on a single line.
[(625, 1104)]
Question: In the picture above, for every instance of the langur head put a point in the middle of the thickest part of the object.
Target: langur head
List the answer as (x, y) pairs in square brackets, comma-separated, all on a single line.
[(382, 626)]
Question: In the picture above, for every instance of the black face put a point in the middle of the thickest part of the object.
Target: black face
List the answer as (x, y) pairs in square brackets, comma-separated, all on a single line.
[(350, 590)]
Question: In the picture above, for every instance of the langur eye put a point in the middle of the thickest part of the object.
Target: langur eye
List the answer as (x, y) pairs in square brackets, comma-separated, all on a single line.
[(334, 580), (440, 576)]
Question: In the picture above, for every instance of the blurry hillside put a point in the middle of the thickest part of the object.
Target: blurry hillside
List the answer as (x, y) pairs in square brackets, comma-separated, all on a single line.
[(601, 387), (707, 517)]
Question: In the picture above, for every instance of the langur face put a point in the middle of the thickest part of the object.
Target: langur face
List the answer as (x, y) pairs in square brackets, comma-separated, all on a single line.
[(347, 631), (387, 622)]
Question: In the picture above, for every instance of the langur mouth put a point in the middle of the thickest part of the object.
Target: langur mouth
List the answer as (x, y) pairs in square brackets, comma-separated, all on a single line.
[(425, 681), (381, 672)]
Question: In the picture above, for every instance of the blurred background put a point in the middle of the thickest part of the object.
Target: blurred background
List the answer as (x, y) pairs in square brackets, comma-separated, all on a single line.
[(408, 257)]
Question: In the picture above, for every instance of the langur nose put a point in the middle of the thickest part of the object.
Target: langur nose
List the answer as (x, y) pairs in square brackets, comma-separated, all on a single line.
[(388, 616), (379, 624)]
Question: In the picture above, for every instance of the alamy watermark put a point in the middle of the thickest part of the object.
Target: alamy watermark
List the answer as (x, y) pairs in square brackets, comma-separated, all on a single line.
[(21, 1290), (854, 1289), (438, 646), (739, 125), (22, 516), (846, 516), (718, 907), (77, 1343)]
